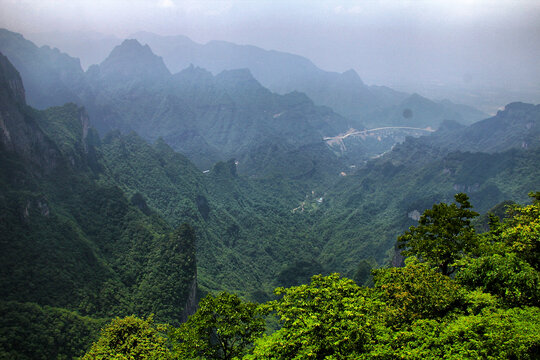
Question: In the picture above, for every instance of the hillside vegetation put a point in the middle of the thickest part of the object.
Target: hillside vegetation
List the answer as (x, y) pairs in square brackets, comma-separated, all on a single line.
[(488, 310), (200, 186)]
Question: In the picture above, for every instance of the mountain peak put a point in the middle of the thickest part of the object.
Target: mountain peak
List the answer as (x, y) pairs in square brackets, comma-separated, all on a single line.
[(131, 48), (131, 60), (193, 75), (195, 70), (349, 79)]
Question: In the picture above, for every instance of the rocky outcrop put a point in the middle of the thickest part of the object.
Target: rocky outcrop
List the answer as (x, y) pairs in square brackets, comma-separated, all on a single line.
[(10, 79), (192, 300), (85, 124), (19, 132)]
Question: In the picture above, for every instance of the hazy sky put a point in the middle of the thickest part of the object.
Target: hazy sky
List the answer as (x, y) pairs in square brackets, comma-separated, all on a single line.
[(386, 42)]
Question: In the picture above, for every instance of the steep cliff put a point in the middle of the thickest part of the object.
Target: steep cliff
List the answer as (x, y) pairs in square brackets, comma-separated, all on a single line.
[(20, 133)]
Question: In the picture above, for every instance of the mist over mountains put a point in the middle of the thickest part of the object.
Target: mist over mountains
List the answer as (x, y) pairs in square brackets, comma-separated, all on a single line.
[(172, 169), (278, 71), (132, 69)]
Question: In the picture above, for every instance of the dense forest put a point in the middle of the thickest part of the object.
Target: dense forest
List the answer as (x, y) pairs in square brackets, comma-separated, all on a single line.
[(460, 295), (145, 214)]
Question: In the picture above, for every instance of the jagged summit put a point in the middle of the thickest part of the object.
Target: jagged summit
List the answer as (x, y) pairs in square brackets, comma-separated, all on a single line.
[(133, 46), (131, 60), (49, 75)]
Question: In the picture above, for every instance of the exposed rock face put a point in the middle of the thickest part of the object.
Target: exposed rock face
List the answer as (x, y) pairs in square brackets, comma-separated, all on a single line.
[(85, 124), (10, 79), (192, 300), (19, 132)]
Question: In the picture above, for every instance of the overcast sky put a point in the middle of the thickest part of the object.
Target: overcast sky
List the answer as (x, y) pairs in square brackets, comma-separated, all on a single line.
[(386, 41)]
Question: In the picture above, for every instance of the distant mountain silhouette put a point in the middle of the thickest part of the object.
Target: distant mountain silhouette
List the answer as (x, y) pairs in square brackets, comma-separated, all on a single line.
[(50, 76)]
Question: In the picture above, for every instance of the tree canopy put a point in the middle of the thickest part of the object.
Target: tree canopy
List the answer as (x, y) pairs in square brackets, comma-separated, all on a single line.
[(224, 327), (130, 338), (488, 309), (444, 234)]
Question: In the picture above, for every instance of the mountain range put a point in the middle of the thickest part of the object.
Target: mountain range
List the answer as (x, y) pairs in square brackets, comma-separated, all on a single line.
[(278, 71), (281, 72), (132, 190)]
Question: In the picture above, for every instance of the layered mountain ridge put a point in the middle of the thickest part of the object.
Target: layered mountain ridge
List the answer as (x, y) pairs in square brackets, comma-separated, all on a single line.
[(218, 117), (230, 115), (282, 72), (95, 226)]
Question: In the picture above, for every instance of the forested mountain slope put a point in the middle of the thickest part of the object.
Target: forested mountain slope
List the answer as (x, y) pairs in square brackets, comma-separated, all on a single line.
[(70, 238), (389, 193), (208, 118), (363, 214), (516, 126), (92, 227), (205, 117), (230, 115), (245, 229)]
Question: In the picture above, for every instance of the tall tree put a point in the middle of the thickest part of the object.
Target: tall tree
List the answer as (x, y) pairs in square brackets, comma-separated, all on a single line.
[(130, 338), (444, 234), (224, 327), (330, 318)]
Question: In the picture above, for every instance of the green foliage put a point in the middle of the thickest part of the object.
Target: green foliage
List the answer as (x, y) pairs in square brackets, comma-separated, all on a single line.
[(499, 334), (171, 273), (245, 230), (521, 231), (363, 213), (29, 331), (224, 327), (416, 292), (90, 229), (508, 267), (330, 318), (362, 275), (130, 338), (507, 276), (71, 239), (299, 272), (443, 236)]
